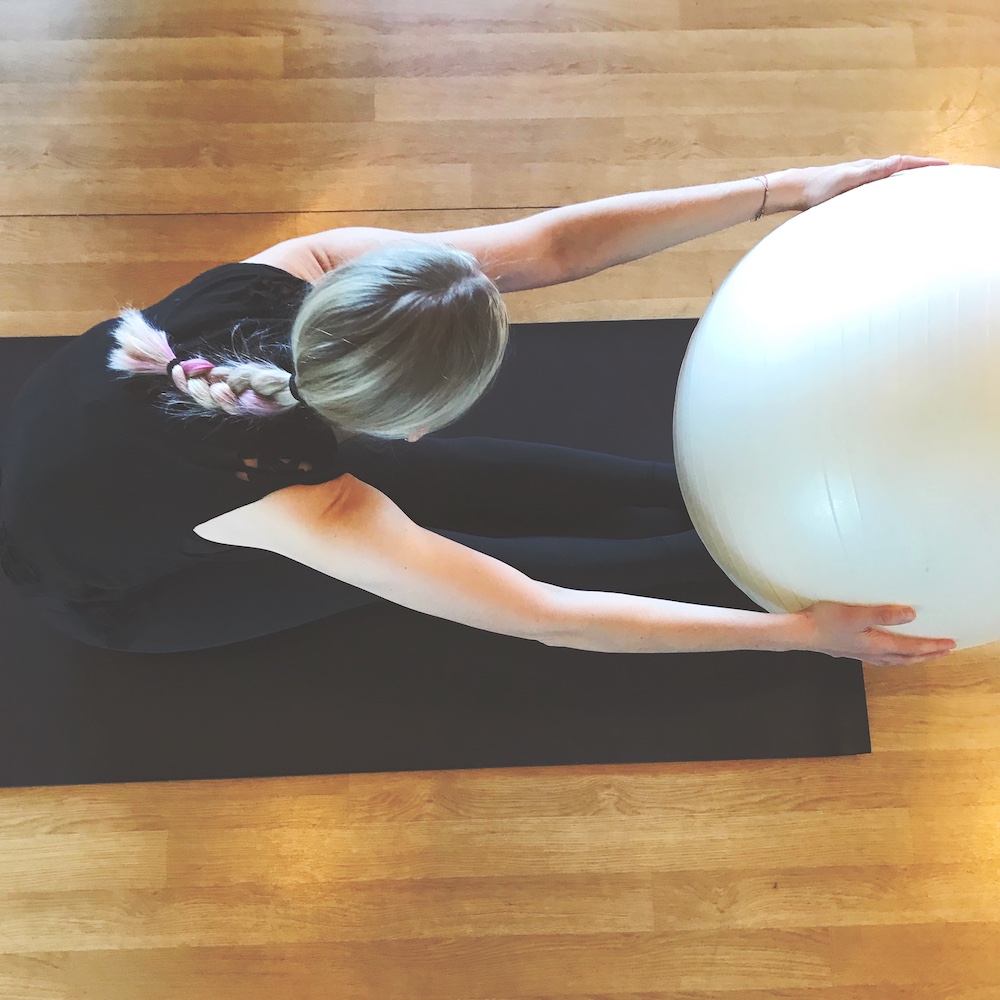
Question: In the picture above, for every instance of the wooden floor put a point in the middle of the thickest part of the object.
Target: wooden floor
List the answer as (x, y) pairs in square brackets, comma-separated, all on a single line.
[(142, 142)]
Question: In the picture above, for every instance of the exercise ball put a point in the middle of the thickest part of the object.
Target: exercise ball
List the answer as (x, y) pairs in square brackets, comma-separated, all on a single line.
[(837, 418)]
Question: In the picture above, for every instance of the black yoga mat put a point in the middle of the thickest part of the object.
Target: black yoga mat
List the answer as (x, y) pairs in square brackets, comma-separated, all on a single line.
[(383, 688)]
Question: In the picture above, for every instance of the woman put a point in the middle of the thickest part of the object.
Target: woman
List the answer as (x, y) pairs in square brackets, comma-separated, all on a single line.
[(227, 463)]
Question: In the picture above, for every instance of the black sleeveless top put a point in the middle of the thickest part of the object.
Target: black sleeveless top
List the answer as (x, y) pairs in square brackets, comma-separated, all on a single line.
[(101, 488)]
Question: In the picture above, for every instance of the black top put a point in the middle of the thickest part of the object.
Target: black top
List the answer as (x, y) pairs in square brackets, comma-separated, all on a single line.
[(101, 488)]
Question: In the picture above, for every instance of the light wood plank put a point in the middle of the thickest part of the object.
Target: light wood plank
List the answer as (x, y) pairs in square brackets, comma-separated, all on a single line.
[(963, 954), (852, 896), (199, 100), (936, 722), (76, 60), (67, 861), (257, 916), (428, 969), (641, 95), (959, 836), (210, 190), (967, 14), (463, 54), (530, 846), (719, 141), (314, 145), (58, 19)]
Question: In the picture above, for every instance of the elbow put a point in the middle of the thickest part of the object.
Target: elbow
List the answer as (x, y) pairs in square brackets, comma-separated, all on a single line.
[(576, 253), (564, 260), (548, 622)]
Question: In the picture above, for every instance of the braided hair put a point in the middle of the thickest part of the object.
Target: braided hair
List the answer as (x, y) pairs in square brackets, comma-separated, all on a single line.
[(239, 387)]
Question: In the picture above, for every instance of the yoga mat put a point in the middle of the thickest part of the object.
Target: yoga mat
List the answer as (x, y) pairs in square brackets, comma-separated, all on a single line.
[(383, 688)]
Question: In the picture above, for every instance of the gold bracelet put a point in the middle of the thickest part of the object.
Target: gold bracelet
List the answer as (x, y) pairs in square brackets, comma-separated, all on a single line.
[(763, 178)]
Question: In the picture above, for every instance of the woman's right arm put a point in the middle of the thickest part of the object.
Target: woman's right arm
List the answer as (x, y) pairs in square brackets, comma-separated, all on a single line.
[(354, 533)]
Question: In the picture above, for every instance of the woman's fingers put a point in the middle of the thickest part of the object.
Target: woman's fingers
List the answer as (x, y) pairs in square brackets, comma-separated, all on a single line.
[(906, 649), (896, 164)]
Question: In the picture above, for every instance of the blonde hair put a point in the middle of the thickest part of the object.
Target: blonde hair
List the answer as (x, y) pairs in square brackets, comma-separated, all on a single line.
[(400, 338)]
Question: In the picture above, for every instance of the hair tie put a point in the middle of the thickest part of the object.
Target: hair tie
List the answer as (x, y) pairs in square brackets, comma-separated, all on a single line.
[(171, 363), (293, 389)]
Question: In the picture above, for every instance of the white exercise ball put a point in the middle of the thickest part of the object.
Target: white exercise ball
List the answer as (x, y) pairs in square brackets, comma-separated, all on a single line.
[(837, 419)]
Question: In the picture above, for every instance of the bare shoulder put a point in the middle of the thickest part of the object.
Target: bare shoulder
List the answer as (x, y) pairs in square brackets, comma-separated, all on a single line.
[(296, 256), (269, 522), (311, 256)]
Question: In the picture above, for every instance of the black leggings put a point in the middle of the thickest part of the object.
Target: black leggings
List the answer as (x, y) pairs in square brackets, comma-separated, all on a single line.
[(573, 518)]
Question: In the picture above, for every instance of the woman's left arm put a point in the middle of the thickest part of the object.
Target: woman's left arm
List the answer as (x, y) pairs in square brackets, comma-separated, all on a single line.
[(564, 244), (590, 237)]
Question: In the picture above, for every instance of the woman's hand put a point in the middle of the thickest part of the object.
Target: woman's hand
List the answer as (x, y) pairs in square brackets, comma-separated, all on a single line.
[(798, 189), (852, 630)]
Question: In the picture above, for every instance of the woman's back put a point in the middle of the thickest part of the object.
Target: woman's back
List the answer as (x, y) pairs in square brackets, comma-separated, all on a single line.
[(102, 487)]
